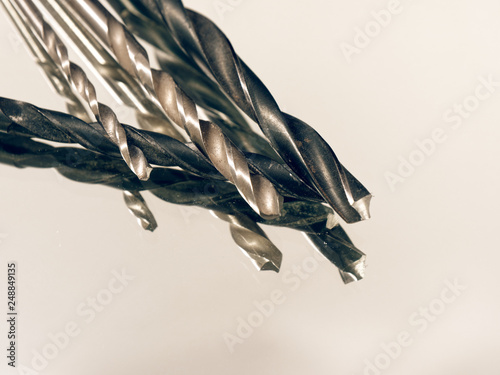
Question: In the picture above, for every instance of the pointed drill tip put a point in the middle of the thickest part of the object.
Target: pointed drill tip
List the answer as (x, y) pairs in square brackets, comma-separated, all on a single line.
[(148, 225), (362, 206), (272, 263), (270, 266), (354, 272)]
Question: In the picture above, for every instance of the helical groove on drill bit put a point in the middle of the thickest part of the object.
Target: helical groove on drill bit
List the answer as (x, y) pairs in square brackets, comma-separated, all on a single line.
[(299, 145), (75, 75), (133, 199), (139, 208), (22, 118), (252, 241), (169, 185), (207, 94), (53, 74), (258, 191), (182, 188), (118, 82)]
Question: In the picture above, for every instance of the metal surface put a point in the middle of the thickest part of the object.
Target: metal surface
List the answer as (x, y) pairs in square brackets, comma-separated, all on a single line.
[(204, 91), (26, 119), (300, 146), (431, 245), (121, 85), (54, 75), (134, 201), (258, 191), (78, 79), (139, 208), (179, 187)]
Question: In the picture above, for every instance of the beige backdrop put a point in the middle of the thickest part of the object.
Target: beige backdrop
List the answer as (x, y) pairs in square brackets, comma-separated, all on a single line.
[(407, 93)]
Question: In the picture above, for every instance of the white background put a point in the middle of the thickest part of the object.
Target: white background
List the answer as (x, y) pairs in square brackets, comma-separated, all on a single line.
[(192, 284)]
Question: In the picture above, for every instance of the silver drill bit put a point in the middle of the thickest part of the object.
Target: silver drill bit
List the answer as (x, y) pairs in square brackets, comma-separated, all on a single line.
[(258, 191), (49, 68), (252, 241), (78, 79), (138, 207), (300, 146), (203, 90), (180, 187), (26, 119), (171, 186), (119, 83), (134, 201)]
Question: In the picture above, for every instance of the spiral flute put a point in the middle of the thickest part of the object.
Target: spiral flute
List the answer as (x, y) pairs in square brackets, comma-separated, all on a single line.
[(78, 165), (138, 207), (259, 249), (49, 68), (75, 75), (258, 191), (179, 187), (117, 81), (202, 89), (26, 119), (133, 199), (299, 145)]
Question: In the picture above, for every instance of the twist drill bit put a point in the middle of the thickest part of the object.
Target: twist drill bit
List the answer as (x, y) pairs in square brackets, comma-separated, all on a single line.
[(22, 118), (42, 58), (252, 240), (179, 187), (205, 92), (118, 82), (258, 191), (138, 207), (77, 165), (78, 79), (299, 145), (337, 247), (134, 201)]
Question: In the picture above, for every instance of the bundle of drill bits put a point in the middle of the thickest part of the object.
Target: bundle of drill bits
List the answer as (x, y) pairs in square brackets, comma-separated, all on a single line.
[(188, 121), (180, 187)]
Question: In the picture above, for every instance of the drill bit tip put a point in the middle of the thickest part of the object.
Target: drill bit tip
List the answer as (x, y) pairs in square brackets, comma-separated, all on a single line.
[(270, 266), (354, 272), (362, 206)]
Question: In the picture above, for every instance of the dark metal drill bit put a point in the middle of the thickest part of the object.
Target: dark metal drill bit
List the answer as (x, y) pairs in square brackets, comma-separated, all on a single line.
[(78, 165), (258, 191), (300, 146), (78, 79), (26, 119), (180, 187), (204, 91), (134, 201)]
